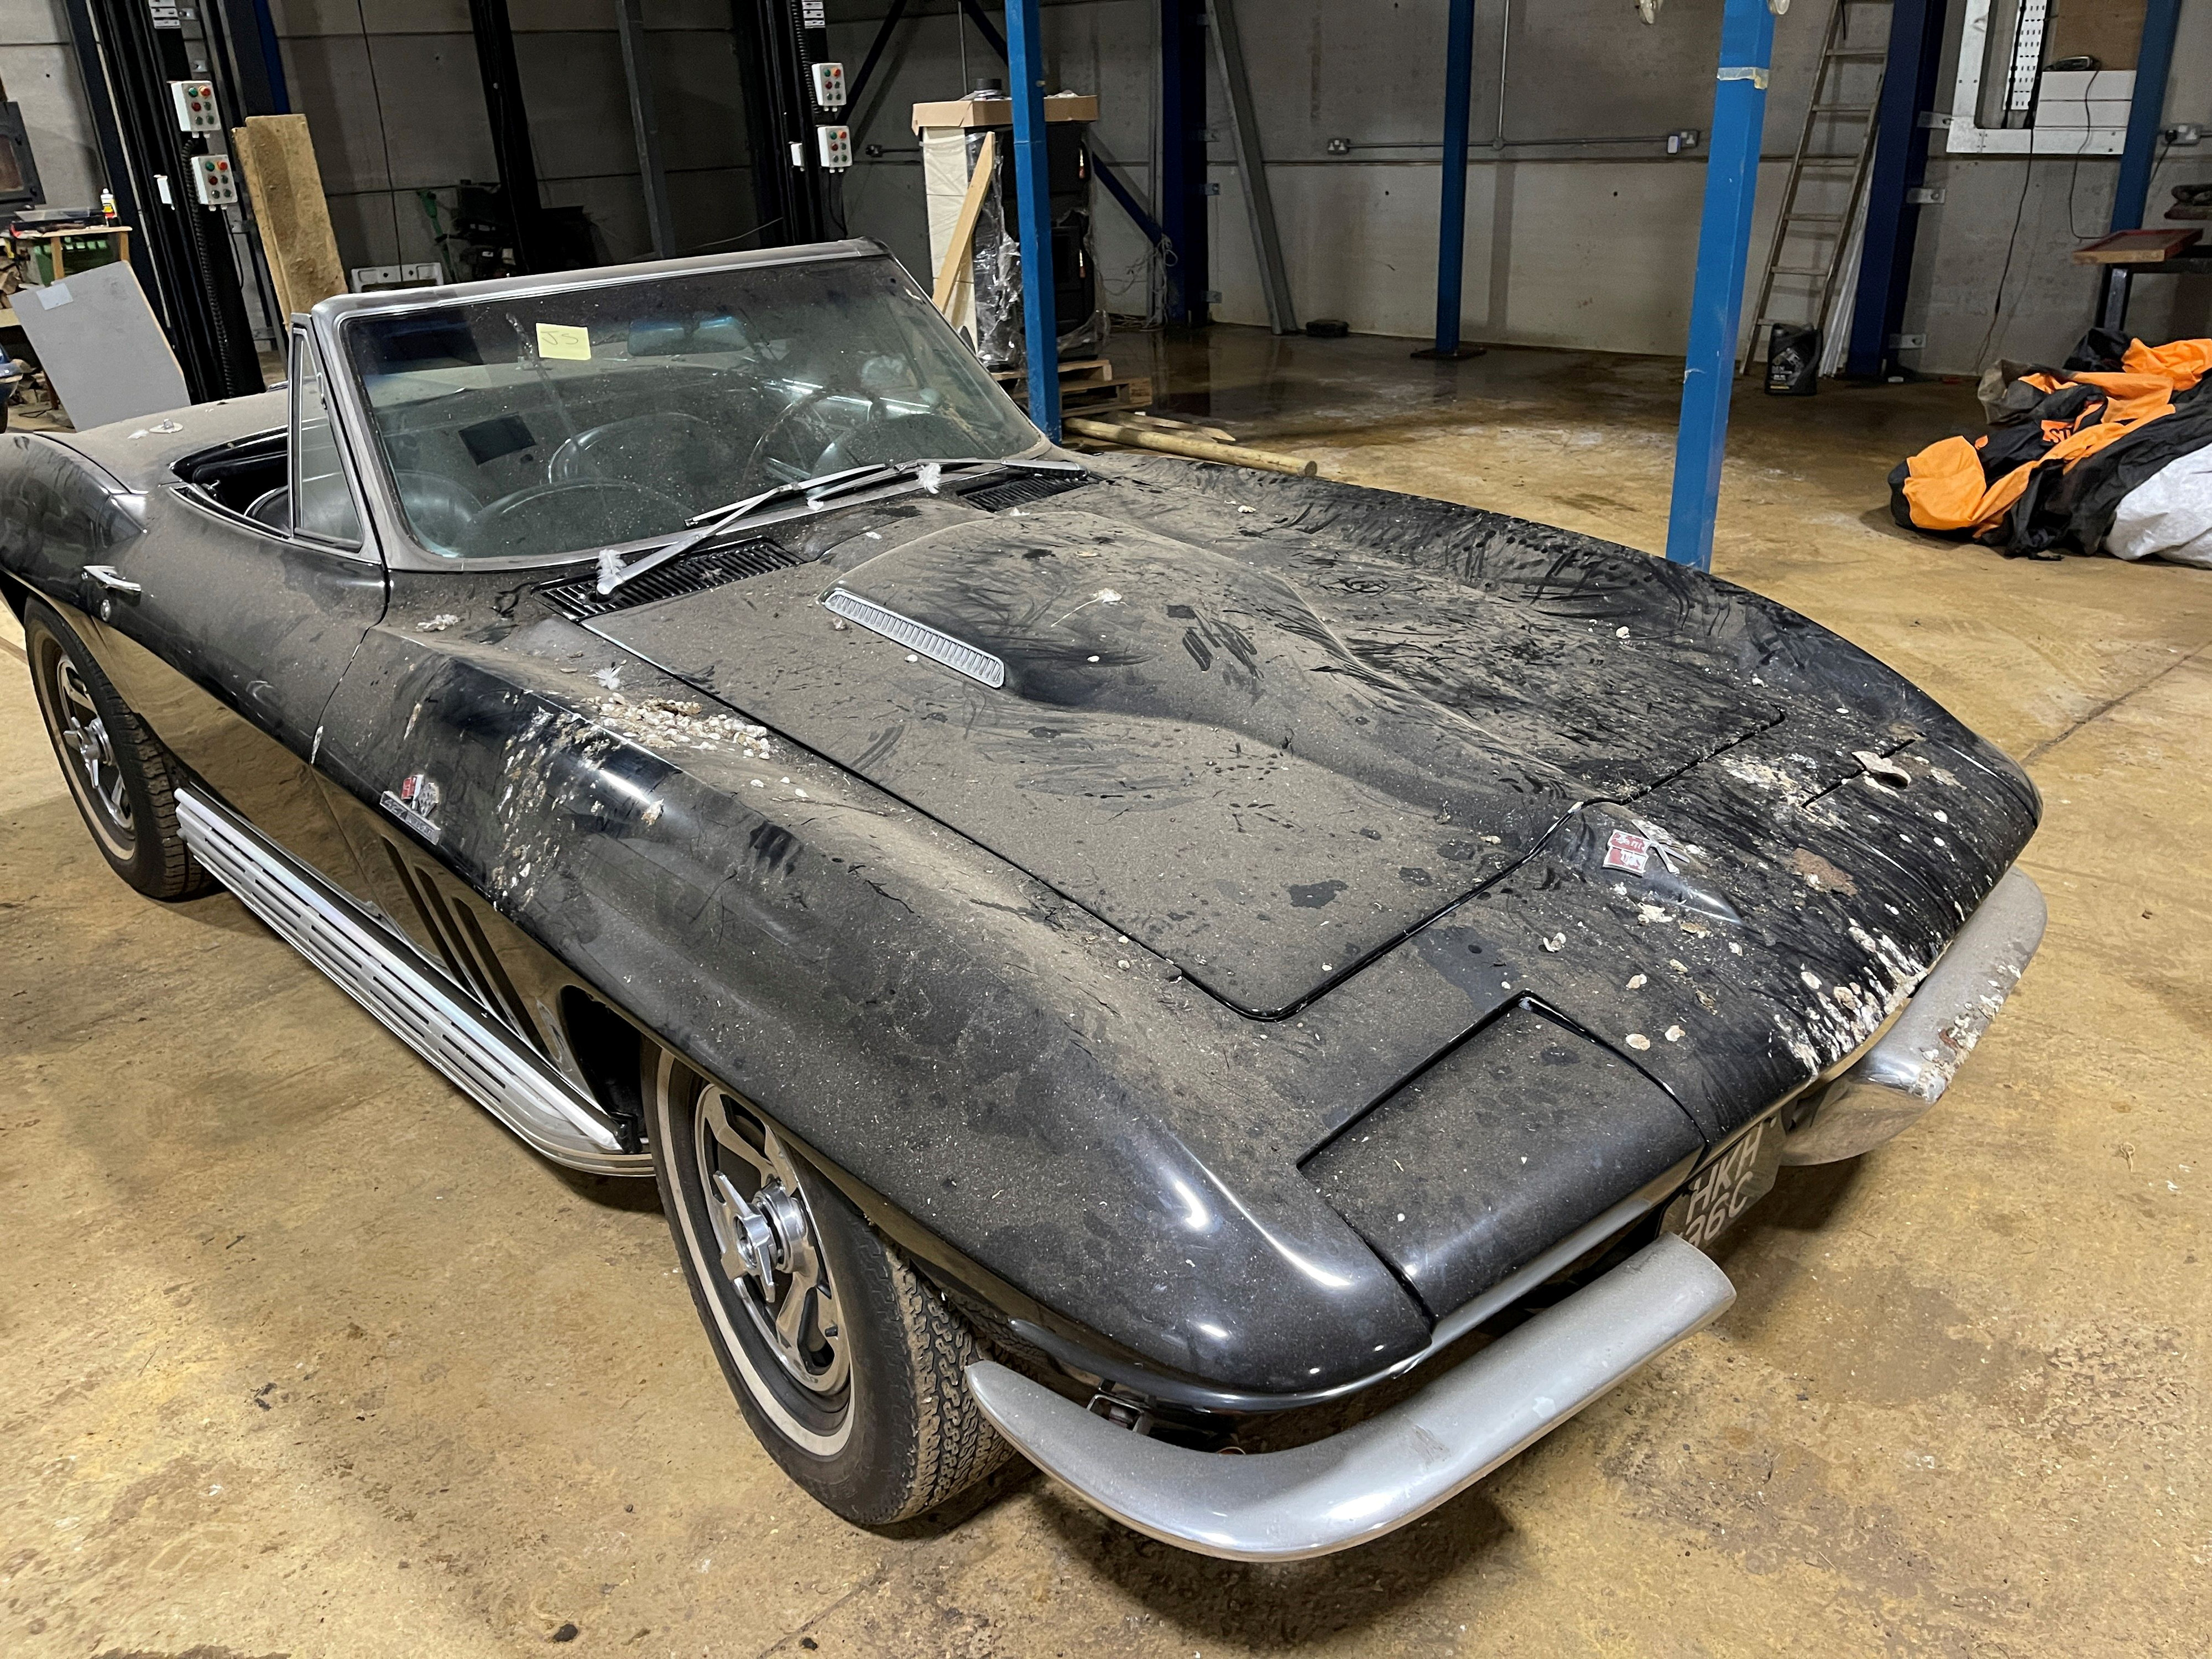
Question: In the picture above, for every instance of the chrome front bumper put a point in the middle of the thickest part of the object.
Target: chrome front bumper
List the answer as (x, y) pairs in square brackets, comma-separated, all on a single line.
[(1907, 1070), (1397, 1465)]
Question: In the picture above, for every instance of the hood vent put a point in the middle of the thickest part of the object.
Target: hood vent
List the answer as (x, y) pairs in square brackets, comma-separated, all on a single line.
[(581, 600), (917, 637), (1021, 490)]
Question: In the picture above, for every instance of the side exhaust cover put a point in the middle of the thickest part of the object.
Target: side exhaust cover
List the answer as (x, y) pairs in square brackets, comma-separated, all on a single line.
[(415, 1000)]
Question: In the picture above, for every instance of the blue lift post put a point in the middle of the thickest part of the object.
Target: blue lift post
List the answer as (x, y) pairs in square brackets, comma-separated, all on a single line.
[(2139, 151), (1900, 162), (1451, 212), (1033, 200), (2146, 112), (1180, 192), (1716, 301)]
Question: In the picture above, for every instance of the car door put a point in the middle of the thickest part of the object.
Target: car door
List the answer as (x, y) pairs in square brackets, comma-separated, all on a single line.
[(228, 634)]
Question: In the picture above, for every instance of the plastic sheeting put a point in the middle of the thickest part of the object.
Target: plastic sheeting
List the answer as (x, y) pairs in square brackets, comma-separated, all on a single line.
[(2169, 516), (986, 307)]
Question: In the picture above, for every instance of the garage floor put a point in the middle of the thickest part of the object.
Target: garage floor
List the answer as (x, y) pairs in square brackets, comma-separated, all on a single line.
[(303, 1355)]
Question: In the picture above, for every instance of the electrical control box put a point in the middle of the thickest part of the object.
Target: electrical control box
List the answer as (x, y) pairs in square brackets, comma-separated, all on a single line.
[(834, 145), (214, 181), (196, 109), (828, 85)]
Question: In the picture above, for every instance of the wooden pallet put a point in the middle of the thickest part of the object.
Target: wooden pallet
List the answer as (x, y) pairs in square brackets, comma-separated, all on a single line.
[(1087, 386)]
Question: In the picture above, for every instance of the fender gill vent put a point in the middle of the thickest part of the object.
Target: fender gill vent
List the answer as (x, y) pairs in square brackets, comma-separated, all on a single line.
[(581, 598), (917, 637), (1022, 490)]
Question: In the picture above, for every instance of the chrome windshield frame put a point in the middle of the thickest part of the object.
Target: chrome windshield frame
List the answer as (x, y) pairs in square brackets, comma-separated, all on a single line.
[(350, 405)]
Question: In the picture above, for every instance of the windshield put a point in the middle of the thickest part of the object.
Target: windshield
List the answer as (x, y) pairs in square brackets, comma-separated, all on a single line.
[(547, 423)]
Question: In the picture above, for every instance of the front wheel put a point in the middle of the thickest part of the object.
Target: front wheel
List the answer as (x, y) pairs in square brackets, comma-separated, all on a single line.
[(849, 1368)]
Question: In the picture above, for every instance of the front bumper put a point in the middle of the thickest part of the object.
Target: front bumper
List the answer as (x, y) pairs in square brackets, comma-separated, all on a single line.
[(1397, 1465), (1908, 1068), (1403, 1461)]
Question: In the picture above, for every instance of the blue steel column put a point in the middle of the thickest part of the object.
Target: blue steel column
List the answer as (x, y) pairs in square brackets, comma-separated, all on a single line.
[(1033, 199), (1181, 192), (2154, 62), (1900, 163), (1451, 210), (1716, 302)]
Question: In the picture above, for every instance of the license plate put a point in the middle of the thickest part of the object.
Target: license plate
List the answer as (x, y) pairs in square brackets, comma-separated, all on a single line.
[(1727, 1186)]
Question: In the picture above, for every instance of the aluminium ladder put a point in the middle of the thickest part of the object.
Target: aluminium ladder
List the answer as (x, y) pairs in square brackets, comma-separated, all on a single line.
[(1826, 103)]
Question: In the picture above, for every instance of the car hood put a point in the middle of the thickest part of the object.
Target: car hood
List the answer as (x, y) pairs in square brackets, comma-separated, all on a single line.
[(1218, 757), (1063, 1121)]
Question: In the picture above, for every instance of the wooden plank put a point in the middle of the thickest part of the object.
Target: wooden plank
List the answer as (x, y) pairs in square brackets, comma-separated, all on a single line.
[(1188, 428), (963, 243), (2137, 247), (277, 159), (1134, 437), (999, 112)]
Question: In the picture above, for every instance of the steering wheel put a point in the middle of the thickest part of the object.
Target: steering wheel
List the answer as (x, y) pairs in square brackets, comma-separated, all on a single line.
[(774, 430), (505, 527), (884, 437)]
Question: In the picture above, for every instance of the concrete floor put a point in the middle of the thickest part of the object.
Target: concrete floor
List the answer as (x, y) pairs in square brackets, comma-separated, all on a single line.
[(303, 1355)]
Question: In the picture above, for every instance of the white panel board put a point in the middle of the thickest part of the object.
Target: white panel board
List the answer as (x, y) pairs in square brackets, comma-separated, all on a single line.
[(99, 342)]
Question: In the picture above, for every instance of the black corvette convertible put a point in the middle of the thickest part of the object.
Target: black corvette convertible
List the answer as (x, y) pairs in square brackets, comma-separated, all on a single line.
[(1126, 959)]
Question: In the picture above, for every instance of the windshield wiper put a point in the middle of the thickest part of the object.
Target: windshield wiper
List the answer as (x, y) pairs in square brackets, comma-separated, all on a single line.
[(705, 527)]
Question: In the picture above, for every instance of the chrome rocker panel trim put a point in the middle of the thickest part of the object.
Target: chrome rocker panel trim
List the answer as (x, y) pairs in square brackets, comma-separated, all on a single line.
[(1396, 1466), (412, 999), (1907, 1071)]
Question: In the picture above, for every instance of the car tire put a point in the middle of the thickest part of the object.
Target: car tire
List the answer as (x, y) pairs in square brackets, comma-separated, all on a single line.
[(863, 1400), (123, 780)]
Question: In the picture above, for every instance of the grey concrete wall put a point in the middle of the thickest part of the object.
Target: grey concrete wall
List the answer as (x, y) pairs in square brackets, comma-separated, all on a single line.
[(1589, 246), (394, 95), (1598, 250), (38, 65), (2047, 298), (1570, 246), (1108, 47)]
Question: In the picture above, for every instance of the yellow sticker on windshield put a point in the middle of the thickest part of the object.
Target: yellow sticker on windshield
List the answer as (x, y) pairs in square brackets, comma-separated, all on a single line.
[(560, 340)]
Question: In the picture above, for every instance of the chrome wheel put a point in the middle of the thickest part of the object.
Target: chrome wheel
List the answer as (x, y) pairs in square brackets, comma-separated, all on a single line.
[(85, 734), (765, 1239), (85, 744)]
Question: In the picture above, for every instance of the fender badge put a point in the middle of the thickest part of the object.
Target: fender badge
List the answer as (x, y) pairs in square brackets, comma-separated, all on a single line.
[(417, 798), (1627, 851)]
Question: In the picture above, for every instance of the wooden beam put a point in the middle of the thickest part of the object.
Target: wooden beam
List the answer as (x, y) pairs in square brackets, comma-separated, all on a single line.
[(963, 243), (1134, 437), (276, 157)]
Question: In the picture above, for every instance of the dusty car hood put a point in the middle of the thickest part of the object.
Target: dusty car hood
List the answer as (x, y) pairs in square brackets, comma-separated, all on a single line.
[(1216, 758)]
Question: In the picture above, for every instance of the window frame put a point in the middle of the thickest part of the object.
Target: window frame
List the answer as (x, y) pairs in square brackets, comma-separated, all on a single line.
[(304, 346)]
